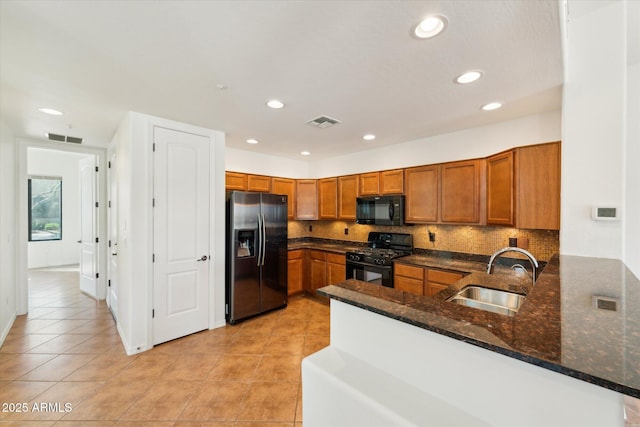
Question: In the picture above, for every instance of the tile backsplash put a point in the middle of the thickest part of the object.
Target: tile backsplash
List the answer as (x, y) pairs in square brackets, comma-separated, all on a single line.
[(480, 240)]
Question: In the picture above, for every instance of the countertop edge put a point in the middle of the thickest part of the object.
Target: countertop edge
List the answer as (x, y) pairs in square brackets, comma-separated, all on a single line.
[(330, 292)]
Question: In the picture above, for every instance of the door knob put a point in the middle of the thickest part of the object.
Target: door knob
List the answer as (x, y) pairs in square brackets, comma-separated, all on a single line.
[(204, 258)]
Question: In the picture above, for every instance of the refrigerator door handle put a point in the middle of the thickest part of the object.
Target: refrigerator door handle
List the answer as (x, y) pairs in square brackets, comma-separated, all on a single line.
[(264, 239), (260, 238)]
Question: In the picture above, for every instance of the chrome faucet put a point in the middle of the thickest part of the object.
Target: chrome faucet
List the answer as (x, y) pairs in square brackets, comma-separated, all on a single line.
[(532, 260)]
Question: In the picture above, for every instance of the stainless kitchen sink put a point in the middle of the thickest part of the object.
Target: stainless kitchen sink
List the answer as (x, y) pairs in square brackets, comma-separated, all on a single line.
[(494, 300)]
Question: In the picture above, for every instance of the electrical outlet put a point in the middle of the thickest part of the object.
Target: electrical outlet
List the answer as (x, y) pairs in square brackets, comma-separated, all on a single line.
[(432, 236), (311, 228), (346, 231)]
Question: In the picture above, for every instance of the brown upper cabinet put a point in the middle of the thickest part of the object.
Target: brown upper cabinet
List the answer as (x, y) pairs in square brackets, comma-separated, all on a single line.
[(500, 189), (392, 181), (247, 182), (381, 183), (286, 186), (460, 191), (306, 199), (537, 171), (328, 189), (523, 187), (421, 194), (370, 184), (259, 183), (235, 181), (347, 194)]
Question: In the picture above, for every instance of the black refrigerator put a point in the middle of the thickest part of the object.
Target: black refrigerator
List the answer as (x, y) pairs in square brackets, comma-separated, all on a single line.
[(256, 254)]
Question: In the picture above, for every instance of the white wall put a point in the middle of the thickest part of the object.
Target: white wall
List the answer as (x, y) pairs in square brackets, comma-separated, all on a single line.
[(62, 164), (632, 155), (264, 164), (135, 245), (8, 300), (464, 144), (594, 116)]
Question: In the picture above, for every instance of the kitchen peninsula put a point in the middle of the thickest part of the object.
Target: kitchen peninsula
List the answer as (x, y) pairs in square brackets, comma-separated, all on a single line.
[(564, 359)]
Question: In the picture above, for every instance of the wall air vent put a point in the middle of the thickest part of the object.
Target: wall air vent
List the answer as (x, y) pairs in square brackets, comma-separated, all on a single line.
[(323, 122), (74, 139), (605, 303), (63, 138), (56, 137)]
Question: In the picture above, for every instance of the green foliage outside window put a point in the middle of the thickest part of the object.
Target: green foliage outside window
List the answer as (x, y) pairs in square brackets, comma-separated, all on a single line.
[(45, 209)]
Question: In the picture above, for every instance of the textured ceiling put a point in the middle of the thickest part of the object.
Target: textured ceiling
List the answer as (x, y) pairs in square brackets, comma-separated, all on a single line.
[(355, 61)]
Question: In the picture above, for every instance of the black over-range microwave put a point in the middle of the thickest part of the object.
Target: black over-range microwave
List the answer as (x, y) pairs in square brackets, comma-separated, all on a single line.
[(380, 210)]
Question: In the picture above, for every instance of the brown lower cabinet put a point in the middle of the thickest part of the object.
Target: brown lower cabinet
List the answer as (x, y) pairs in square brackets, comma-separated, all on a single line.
[(310, 269), (295, 271), (422, 280)]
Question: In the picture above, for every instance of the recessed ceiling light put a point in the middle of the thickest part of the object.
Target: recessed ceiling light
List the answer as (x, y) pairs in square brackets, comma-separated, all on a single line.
[(50, 111), (275, 103), (305, 153), (430, 26), (468, 77), (252, 141), (491, 106), (369, 137)]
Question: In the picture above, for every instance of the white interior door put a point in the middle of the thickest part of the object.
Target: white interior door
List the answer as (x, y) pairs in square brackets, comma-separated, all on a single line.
[(88, 222), (112, 209), (180, 234)]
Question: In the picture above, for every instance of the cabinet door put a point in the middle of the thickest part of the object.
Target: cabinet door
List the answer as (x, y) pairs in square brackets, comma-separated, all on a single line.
[(538, 186), (336, 272), (318, 269), (328, 198), (347, 193), (369, 184), (500, 186), (407, 284), (421, 191), (392, 182), (409, 278), (288, 187), (460, 197), (437, 280), (294, 272), (306, 199), (259, 183), (235, 181)]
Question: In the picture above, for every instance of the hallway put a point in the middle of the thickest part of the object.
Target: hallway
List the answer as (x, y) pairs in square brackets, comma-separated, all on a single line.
[(65, 364)]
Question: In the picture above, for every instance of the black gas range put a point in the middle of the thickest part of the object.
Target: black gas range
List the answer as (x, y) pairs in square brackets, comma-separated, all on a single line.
[(374, 263)]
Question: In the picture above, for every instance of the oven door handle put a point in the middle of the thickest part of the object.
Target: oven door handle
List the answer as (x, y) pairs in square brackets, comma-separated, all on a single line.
[(370, 266)]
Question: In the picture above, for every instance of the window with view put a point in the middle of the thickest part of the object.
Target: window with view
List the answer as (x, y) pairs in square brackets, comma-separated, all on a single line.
[(45, 208)]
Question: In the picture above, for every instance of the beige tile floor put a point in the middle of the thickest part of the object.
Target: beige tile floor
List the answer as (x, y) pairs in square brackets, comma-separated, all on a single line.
[(67, 351)]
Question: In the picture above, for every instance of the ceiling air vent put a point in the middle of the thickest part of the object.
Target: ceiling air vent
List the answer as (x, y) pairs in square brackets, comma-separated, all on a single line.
[(323, 122), (63, 138)]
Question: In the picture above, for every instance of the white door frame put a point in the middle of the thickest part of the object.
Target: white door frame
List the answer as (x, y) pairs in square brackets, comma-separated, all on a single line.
[(22, 286)]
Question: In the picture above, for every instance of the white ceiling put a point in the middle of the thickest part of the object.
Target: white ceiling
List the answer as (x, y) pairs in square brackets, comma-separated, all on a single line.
[(352, 60)]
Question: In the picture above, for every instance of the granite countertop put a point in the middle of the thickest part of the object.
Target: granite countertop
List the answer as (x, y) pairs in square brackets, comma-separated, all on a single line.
[(558, 327), (337, 246)]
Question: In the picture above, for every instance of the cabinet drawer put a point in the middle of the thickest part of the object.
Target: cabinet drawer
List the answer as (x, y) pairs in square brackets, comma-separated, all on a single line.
[(336, 258), (446, 277), (409, 271), (319, 255), (406, 284), (296, 254)]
